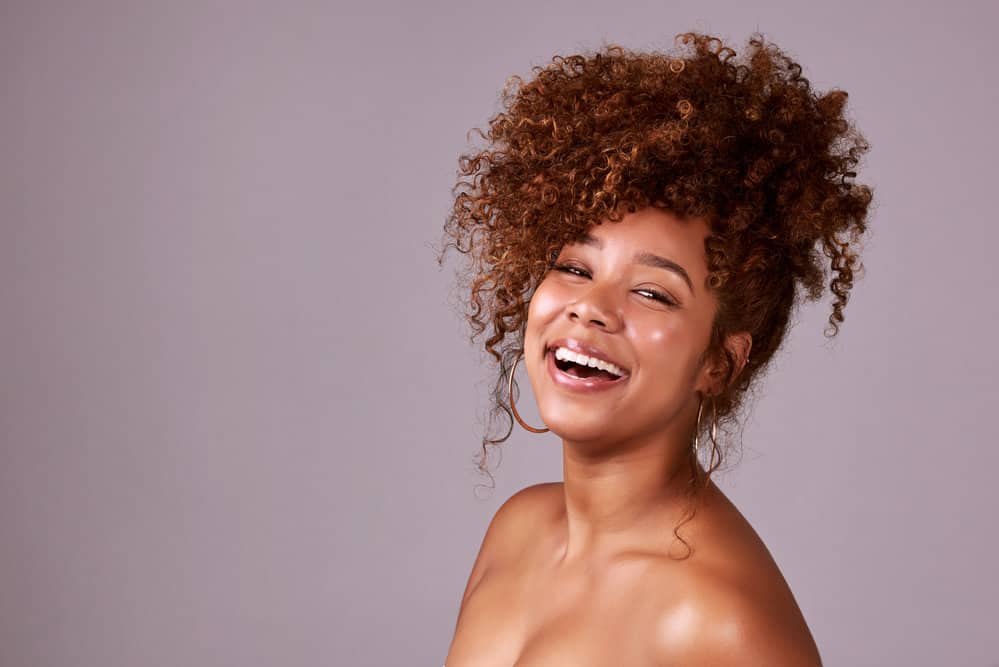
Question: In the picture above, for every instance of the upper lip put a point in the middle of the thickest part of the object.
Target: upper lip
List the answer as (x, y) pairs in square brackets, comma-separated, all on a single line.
[(582, 347)]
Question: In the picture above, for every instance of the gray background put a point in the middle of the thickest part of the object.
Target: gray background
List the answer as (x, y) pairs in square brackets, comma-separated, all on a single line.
[(239, 416)]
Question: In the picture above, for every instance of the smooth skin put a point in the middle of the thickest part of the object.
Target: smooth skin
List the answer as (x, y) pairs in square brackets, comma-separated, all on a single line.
[(577, 573)]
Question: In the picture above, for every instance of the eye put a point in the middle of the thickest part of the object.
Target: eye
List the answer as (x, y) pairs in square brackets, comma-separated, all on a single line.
[(658, 296), (573, 270)]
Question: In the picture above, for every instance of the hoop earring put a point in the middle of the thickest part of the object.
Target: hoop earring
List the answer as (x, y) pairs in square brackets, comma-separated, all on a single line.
[(513, 405), (714, 428)]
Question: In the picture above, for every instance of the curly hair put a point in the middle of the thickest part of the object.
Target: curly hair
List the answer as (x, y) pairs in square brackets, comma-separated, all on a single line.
[(743, 143)]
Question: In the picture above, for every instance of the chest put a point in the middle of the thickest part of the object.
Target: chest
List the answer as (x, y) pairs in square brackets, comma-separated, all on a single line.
[(519, 619)]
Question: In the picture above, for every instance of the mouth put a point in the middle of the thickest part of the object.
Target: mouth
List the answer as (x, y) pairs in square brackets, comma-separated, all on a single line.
[(579, 366)]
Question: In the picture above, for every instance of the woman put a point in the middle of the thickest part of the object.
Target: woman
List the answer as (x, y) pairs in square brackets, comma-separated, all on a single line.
[(639, 228)]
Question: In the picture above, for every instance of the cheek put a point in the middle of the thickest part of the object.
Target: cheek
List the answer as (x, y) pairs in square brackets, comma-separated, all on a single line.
[(545, 305), (663, 340)]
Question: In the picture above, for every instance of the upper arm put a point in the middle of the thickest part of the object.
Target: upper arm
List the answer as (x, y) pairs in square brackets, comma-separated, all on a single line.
[(509, 523), (727, 625)]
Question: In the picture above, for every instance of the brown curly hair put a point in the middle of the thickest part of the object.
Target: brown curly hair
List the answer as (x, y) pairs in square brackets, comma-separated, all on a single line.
[(743, 143)]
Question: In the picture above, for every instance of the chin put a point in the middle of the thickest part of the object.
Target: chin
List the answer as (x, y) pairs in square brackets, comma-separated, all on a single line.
[(571, 425)]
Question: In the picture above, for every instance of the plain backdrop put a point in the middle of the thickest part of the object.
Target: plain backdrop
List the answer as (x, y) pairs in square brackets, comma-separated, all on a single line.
[(239, 415)]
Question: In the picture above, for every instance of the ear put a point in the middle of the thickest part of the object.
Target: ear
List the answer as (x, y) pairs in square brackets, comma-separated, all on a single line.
[(715, 371)]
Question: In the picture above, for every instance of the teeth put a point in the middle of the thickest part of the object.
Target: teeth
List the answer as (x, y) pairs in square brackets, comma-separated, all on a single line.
[(564, 354)]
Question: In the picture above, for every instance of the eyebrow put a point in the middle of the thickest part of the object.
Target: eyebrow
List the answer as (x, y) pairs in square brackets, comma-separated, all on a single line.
[(646, 258)]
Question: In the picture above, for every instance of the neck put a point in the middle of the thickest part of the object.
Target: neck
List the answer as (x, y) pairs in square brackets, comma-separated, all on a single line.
[(626, 497)]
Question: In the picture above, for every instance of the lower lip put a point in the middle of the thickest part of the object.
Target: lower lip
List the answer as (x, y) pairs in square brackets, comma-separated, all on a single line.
[(581, 385)]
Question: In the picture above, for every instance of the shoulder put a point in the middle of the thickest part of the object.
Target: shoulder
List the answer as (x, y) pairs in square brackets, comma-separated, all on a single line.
[(510, 528), (525, 508), (521, 514), (731, 625), (733, 606)]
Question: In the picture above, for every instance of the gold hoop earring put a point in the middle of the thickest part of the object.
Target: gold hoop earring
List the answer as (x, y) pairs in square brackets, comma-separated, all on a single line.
[(714, 428), (513, 405)]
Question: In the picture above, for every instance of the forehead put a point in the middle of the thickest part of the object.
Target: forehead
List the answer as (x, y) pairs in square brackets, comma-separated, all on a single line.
[(653, 229)]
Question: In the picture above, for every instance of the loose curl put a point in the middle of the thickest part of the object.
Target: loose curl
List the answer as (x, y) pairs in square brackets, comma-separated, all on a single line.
[(743, 143)]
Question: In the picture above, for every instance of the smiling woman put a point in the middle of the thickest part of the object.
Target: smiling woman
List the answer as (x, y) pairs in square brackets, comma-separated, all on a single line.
[(639, 229)]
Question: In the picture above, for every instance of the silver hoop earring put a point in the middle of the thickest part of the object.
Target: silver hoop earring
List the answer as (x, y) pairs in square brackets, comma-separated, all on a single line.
[(513, 405)]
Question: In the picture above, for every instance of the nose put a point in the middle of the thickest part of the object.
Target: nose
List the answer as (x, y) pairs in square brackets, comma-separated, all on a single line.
[(596, 307)]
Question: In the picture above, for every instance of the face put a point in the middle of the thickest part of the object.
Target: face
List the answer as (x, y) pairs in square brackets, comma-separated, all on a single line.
[(632, 295)]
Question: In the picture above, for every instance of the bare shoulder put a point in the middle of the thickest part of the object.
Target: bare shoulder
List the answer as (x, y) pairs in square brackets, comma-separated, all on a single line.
[(734, 606), (520, 516), (728, 624), (511, 526)]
